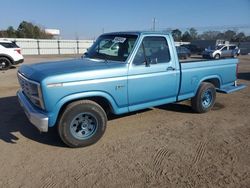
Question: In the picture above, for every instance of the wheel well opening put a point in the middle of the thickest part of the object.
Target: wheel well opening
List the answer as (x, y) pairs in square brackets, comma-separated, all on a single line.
[(7, 57), (214, 81), (103, 102)]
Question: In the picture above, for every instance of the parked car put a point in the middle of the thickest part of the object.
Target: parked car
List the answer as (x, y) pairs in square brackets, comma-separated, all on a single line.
[(221, 51), (194, 49), (10, 54), (182, 52), (76, 95)]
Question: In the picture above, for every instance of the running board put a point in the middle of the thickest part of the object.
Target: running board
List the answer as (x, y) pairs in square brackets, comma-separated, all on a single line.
[(233, 88)]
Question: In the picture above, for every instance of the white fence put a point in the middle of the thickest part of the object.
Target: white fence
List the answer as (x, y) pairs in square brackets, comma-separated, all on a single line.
[(44, 46)]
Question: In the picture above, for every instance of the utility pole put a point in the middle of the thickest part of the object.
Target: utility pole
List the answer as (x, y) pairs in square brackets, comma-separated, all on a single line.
[(154, 24)]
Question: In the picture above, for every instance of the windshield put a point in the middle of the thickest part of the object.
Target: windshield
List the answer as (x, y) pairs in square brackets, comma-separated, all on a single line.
[(112, 47), (219, 47)]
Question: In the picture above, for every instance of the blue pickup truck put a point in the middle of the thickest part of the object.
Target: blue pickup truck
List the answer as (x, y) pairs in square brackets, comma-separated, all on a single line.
[(141, 71)]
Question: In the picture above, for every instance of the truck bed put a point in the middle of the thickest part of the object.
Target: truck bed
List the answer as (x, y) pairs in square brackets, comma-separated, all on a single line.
[(197, 58), (194, 71)]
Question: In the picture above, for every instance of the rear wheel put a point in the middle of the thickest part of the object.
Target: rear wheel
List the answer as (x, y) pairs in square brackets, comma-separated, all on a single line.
[(204, 99), (82, 123), (4, 63), (235, 55)]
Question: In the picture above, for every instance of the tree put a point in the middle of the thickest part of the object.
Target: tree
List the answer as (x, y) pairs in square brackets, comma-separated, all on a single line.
[(209, 35), (25, 30), (29, 30), (220, 36), (247, 38), (176, 33), (193, 33), (3, 34), (230, 35), (186, 37), (240, 37), (11, 32)]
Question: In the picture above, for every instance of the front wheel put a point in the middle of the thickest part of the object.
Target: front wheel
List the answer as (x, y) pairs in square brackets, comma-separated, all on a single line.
[(82, 123), (217, 56), (204, 99)]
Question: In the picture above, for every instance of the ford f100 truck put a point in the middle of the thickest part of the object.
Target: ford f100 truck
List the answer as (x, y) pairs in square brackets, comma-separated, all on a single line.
[(141, 71)]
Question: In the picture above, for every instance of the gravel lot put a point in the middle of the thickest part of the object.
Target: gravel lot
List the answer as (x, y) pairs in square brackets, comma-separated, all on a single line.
[(166, 146)]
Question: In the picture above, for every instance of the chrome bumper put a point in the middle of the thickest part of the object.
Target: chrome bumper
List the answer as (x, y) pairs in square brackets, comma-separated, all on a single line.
[(38, 119)]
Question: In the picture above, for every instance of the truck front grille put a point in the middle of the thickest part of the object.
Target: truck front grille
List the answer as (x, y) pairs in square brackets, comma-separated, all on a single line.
[(31, 90)]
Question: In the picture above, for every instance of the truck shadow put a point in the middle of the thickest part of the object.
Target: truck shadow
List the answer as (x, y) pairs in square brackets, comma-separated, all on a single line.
[(177, 107), (186, 108), (244, 76), (13, 119)]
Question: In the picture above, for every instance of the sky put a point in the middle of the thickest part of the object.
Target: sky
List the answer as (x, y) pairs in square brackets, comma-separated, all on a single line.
[(88, 19)]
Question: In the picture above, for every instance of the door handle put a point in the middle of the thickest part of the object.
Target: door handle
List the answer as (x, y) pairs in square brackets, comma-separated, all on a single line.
[(170, 69)]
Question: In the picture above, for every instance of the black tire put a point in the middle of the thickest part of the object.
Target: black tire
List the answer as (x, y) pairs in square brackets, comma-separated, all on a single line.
[(235, 55), (73, 131), (217, 56), (204, 99), (4, 63)]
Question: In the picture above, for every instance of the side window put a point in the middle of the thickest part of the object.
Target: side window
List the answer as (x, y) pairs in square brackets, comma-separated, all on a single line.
[(231, 47), (9, 45), (154, 50), (224, 49)]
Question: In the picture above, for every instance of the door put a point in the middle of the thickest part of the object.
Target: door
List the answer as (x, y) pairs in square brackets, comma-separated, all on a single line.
[(152, 77), (225, 52), (233, 51)]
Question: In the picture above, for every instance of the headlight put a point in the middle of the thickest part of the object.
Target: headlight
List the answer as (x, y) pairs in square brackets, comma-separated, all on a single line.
[(32, 90)]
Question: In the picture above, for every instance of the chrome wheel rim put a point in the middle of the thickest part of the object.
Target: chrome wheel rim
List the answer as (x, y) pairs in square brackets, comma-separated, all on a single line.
[(2, 64), (207, 99)]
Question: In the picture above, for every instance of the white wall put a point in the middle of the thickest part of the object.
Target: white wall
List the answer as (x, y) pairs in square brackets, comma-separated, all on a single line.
[(44, 46)]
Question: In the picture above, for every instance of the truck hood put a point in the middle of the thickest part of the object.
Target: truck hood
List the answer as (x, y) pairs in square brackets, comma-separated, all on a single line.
[(68, 70)]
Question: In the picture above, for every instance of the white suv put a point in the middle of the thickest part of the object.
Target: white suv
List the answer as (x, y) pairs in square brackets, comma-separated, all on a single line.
[(10, 54), (221, 51)]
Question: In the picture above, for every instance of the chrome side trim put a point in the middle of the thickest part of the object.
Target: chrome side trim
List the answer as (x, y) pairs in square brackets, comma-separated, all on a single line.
[(74, 83)]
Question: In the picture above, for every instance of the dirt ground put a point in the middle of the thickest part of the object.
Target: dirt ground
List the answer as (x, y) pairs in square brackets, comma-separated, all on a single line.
[(166, 146)]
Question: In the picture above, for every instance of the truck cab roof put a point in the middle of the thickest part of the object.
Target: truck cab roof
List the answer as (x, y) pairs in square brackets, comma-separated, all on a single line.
[(137, 33)]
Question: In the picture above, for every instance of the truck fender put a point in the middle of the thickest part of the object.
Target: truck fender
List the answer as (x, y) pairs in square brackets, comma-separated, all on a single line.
[(79, 96), (212, 79)]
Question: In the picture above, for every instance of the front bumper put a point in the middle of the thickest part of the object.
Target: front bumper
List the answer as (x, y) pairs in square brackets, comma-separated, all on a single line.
[(207, 56), (38, 119)]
